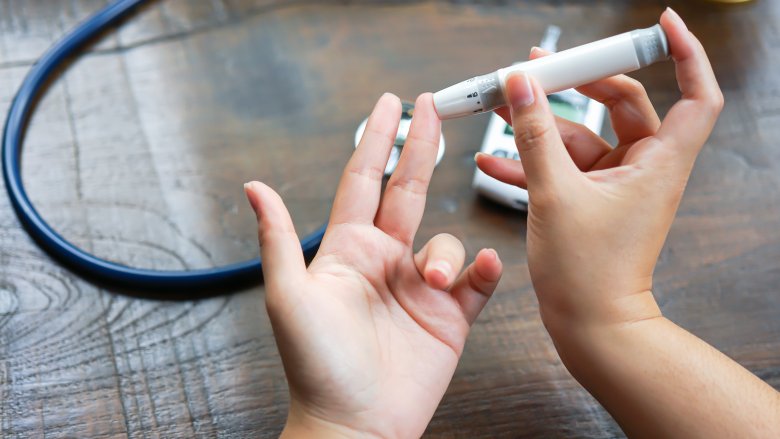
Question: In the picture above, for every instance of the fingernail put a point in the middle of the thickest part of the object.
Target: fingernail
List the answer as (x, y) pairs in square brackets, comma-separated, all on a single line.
[(535, 49), (385, 96), (492, 253), (520, 93), (442, 267), (676, 17), (249, 196), (478, 155)]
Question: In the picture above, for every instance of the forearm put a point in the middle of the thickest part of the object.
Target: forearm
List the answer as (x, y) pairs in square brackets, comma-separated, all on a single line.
[(658, 380)]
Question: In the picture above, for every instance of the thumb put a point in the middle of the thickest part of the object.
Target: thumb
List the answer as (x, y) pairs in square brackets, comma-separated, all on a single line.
[(280, 249), (540, 146)]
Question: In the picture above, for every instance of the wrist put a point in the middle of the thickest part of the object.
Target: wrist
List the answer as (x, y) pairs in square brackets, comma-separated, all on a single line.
[(301, 424), (578, 331), (297, 430), (573, 320)]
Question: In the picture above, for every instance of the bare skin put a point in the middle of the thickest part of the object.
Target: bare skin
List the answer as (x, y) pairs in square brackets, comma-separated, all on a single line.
[(370, 333), (597, 220)]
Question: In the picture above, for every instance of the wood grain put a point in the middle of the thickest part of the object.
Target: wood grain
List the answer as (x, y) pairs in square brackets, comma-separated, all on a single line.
[(139, 151)]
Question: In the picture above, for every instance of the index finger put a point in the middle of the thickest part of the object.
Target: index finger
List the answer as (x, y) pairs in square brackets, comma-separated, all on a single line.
[(357, 197), (690, 121)]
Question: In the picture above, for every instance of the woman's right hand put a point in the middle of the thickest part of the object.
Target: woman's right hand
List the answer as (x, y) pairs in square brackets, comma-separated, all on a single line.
[(598, 217), (597, 220)]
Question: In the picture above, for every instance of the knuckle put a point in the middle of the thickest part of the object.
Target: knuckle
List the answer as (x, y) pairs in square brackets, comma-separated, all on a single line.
[(543, 200), (479, 283), (412, 185), (717, 102), (373, 134), (372, 173), (539, 200), (533, 134), (424, 141), (634, 88), (628, 91)]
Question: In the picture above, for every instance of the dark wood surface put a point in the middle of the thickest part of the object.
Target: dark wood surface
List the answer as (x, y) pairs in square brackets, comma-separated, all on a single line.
[(139, 152)]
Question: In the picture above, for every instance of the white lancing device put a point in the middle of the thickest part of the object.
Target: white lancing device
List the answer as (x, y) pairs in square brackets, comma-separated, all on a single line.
[(570, 68)]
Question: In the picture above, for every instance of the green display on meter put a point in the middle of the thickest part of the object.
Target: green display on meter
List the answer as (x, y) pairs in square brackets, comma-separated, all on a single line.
[(567, 106)]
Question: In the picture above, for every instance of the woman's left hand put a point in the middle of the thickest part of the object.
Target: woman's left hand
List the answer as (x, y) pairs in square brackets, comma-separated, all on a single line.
[(371, 332)]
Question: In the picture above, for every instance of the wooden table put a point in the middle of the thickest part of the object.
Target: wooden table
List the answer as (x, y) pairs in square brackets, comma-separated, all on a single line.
[(139, 151)]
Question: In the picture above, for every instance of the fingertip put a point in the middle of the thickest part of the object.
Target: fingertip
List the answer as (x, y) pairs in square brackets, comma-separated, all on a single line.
[(483, 162), (387, 102), (538, 52), (525, 93), (251, 185), (477, 284), (505, 170), (677, 33), (428, 102), (384, 119), (251, 189), (279, 246), (438, 273), (519, 90), (670, 16), (425, 116), (424, 100), (265, 201), (489, 265), (390, 98)]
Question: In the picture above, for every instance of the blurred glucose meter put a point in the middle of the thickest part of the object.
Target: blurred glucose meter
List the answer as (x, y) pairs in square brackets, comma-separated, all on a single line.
[(499, 137)]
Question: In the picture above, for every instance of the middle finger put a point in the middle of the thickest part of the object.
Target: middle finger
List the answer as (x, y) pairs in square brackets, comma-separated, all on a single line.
[(403, 203)]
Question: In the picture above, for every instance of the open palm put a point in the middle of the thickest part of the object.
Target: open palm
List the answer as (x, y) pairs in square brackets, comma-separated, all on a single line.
[(370, 333)]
